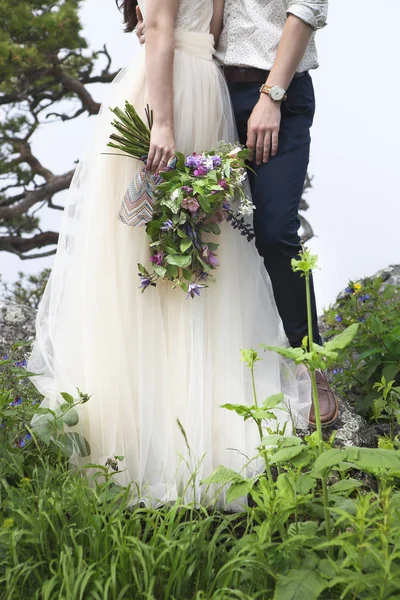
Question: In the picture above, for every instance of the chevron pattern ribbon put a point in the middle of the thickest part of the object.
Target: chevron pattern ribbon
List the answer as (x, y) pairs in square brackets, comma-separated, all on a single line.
[(137, 207)]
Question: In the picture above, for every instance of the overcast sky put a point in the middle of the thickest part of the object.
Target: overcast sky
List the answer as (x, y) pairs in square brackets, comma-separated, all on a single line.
[(354, 206)]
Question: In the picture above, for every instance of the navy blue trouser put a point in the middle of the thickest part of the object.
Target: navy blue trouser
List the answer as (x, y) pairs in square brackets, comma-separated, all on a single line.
[(277, 188)]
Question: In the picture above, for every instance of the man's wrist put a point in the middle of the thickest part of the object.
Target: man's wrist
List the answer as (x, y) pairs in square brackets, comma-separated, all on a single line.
[(275, 92)]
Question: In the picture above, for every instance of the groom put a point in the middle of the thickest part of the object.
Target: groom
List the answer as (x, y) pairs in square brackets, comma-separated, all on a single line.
[(266, 51)]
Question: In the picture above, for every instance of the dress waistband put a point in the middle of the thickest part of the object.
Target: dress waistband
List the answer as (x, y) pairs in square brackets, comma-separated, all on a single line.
[(195, 43)]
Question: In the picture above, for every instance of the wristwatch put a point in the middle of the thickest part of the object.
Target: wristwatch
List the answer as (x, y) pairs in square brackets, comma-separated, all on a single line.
[(275, 92)]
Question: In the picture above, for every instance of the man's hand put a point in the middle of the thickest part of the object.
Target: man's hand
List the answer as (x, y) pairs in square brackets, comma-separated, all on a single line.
[(263, 129), (140, 28)]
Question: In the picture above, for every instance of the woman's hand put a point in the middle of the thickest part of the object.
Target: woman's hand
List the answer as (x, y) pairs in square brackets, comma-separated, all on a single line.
[(162, 147)]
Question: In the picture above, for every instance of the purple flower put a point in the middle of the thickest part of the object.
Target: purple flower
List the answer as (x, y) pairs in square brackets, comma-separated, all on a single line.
[(223, 184), (200, 172), (20, 363), (339, 318), (157, 258), (213, 260), (364, 298), (226, 205), (145, 282), (5, 357), (349, 290), (28, 437), (187, 189), (193, 161), (16, 402), (216, 161), (194, 288), (168, 224), (203, 276), (21, 444)]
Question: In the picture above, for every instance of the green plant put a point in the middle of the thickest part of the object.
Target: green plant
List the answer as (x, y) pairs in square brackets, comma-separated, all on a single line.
[(387, 404), (375, 350)]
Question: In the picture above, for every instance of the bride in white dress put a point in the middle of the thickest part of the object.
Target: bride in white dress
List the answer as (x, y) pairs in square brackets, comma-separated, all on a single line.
[(150, 359)]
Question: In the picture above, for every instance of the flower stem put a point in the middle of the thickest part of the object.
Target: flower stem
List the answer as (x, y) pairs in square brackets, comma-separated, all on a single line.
[(325, 495), (260, 432)]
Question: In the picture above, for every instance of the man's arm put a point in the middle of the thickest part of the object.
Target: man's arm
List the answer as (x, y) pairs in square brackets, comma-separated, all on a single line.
[(264, 123)]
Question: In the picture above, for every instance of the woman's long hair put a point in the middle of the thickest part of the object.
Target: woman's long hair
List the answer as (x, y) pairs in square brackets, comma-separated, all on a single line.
[(128, 8)]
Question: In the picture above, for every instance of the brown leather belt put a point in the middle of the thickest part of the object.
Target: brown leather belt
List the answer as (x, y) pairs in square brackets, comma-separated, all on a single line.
[(250, 75)]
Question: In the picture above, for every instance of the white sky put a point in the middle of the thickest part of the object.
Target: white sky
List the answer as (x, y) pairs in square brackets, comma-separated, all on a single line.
[(355, 157)]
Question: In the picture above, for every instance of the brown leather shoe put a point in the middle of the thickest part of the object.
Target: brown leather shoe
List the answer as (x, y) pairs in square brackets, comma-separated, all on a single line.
[(328, 403)]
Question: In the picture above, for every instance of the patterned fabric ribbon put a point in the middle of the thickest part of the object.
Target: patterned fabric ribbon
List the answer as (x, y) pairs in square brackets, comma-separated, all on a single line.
[(137, 207)]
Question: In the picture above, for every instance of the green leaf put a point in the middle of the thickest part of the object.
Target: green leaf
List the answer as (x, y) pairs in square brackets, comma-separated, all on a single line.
[(71, 418), (223, 476), (187, 274), (237, 490), (371, 460), (260, 413), (73, 443), (295, 354), (68, 398), (181, 160), (306, 528), (342, 340), (371, 352), (181, 233), (213, 228), (185, 245), (142, 269), (172, 272), (204, 203), (299, 584), (168, 175), (285, 454), (240, 409), (346, 485), (159, 270), (178, 261), (390, 371), (273, 401), (305, 484)]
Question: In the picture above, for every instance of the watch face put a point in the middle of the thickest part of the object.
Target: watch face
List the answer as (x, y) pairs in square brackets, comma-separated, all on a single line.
[(277, 93)]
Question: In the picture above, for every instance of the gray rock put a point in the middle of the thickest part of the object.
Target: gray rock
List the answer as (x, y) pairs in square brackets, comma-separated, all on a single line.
[(352, 429), (17, 324)]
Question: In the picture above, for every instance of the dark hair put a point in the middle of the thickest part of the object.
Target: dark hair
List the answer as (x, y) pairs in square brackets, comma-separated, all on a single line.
[(128, 8)]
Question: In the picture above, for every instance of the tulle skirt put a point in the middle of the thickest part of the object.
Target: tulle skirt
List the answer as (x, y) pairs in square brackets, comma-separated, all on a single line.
[(149, 360)]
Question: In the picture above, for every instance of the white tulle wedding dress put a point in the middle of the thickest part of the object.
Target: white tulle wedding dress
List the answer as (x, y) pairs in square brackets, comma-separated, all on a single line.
[(150, 359)]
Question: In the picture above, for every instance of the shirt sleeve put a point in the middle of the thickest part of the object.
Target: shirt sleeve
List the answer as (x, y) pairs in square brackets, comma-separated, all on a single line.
[(312, 12)]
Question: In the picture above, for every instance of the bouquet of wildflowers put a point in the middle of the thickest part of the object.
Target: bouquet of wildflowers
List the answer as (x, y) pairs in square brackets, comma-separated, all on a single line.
[(191, 199)]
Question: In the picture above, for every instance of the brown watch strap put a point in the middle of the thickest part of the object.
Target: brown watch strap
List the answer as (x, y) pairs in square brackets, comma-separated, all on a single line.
[(266, 89)]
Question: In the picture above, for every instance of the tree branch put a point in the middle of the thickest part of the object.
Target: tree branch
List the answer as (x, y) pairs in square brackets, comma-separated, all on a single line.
[(45, 192), (19, 246)]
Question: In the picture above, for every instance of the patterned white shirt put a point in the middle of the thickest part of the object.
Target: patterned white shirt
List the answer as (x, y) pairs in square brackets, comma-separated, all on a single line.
[(253, 29)]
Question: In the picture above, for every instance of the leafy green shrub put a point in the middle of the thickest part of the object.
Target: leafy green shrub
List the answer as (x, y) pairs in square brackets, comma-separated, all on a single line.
[(323, 522), (375, 351)]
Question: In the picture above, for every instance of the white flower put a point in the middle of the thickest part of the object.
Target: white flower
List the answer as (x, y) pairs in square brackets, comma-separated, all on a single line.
[(246, 207), (175, 194), (235, 152)]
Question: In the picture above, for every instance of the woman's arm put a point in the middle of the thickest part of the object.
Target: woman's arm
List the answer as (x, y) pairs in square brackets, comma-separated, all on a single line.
[(217, 20), (160, 48)]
